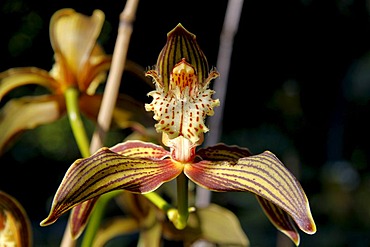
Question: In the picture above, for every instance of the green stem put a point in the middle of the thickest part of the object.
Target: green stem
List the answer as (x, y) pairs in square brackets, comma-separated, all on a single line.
[(158, 201), (182, 200), (96, 218), (179, 216), (78, 129)]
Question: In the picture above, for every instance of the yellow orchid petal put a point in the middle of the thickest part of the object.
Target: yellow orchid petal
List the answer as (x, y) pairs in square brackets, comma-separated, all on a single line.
[(26, 113), (94, 73), (106, 171), (263, 175), (15, 227), (79, 59), (16, 77), (82, 32)]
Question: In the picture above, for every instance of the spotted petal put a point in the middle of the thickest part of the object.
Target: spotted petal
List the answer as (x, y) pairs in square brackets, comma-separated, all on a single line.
[(106, 171), (263, 175), (182, 100)]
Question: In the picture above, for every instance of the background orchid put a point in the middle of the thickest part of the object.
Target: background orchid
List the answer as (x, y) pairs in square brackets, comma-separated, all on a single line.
[(15, 226), (80, 66)]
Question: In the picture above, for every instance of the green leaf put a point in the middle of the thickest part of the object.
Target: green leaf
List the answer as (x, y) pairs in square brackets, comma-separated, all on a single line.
[(214, 224), (113, 228), (220, 226)]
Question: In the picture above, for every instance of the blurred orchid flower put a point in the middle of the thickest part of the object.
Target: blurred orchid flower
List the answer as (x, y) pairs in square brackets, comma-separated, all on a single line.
[(80, 63), (15, 227), (181, 102)]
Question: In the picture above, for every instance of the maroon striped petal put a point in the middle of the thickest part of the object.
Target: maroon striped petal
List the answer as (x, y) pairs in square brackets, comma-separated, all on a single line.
[(280, 219), (106, 171), (140, 149), (181, 44), (221, 152), (80, 215), (263, 175)]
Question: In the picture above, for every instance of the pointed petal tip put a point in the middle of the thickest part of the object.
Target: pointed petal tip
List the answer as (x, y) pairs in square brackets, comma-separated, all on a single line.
[(294, 236), (311, 228), (308, 227), (178, 30), (48, 221)]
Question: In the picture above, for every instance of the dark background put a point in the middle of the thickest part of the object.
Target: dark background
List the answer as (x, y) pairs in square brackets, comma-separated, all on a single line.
[(298, 86)]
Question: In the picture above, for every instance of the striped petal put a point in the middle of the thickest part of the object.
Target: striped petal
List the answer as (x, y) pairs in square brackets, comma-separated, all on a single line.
[(140, 149), (106, 171), (280, 219), (80, 215), (181, 44), (221, 152), (263, 175)]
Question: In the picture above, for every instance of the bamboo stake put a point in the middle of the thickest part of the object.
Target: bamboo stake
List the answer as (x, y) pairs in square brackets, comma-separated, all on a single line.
[(127, 17), (125, 28)]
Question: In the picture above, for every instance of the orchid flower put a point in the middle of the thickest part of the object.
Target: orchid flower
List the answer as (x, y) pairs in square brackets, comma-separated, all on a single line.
[(80, 66), (181, 102)]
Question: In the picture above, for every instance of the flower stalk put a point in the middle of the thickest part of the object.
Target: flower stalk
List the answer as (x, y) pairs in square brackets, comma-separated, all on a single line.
[(182, 200), (75, 120)]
